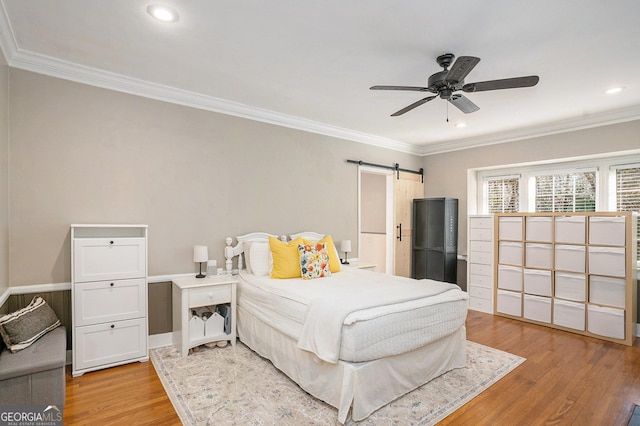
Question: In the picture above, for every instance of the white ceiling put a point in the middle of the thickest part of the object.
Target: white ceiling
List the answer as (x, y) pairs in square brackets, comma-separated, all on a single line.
[(309, 64)]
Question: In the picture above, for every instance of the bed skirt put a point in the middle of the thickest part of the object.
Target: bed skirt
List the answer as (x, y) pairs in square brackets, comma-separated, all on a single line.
[(362, 387)]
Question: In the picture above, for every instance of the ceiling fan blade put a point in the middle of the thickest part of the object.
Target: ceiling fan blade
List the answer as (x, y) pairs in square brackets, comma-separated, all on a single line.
[(411, 88), (412, 106), (507, 83), (461, 68), (463, 104)]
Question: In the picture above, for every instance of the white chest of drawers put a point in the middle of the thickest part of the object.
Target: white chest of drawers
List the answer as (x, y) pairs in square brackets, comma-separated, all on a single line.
[(480, 263), (109, 295)]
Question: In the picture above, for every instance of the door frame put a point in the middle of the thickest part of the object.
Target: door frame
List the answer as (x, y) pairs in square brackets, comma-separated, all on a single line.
[(389, 213)]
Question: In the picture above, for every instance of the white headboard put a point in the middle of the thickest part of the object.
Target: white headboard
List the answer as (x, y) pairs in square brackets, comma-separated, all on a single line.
[(308, 235), (232, 251)]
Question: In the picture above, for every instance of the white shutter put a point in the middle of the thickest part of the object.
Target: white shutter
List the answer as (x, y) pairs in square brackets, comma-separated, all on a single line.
[(503, 194), (628, 191), (566, 192)]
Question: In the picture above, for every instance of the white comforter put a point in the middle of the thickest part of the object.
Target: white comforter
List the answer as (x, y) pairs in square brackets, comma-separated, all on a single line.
[(350, 296)]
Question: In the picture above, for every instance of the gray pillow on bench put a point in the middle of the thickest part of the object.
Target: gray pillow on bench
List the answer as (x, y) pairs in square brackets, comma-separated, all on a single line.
[(21, 328)]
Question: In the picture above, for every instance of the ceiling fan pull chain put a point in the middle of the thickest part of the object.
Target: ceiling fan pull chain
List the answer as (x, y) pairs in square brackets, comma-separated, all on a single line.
[(447, 111)]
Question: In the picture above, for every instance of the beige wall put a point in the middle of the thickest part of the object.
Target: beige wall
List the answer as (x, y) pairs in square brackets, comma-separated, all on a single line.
[(4, 170), (446, 174), (81, 154)]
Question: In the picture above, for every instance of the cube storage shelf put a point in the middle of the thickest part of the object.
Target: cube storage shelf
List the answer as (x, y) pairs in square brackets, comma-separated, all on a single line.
[(571, 271)]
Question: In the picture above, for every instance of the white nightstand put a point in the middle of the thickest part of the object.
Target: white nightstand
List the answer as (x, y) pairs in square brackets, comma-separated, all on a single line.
[(192, 292), (357, 264)]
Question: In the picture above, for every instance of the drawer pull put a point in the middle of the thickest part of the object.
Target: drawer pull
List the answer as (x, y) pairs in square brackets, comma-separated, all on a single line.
[(113, 326), (111, 242), (111, 284)]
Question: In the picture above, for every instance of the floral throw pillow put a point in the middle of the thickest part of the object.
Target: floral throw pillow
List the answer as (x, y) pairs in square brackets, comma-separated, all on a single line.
[(314, 261)]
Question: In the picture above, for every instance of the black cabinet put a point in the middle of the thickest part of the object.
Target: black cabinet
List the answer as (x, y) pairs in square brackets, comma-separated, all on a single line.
[(434, 245)]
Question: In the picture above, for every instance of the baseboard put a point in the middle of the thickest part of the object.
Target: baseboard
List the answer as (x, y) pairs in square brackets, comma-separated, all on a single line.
[(160, 340), (5, 296)]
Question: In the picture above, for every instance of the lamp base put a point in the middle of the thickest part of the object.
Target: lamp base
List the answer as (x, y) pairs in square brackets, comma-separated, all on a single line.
[(344, 262), (200, 275)]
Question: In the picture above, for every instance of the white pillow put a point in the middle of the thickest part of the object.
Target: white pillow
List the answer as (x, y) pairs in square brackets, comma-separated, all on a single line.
[(258, 257), (245, 252)]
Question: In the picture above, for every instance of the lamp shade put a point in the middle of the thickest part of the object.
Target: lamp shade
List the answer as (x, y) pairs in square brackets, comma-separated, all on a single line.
[(345, 246), (200, 254)]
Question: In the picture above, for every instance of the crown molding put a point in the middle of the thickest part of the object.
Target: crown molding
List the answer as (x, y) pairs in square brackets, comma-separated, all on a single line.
[(94, 77), (8, 43), (65, 70), (556, 127)]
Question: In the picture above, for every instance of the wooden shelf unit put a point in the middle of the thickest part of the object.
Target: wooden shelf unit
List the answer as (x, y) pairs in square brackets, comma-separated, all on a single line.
[(571, 271)]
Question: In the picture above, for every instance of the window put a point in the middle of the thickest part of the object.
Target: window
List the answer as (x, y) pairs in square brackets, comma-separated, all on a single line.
[(628, 190), (599, 183), (503, 194), (566, 192)]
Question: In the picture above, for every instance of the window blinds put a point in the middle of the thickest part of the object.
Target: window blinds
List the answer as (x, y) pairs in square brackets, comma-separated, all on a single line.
[(628, 191), (503, 194), (566, 192)]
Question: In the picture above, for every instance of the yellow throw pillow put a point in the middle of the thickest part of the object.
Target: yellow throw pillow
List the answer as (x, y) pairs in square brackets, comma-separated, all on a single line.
[(334, 260), (286, 260)]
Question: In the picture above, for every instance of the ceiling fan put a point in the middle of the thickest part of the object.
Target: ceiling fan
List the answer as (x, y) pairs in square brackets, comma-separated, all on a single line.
[(448, 81)]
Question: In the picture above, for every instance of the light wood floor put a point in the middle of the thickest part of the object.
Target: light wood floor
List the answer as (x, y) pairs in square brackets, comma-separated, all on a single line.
[(567, 380)]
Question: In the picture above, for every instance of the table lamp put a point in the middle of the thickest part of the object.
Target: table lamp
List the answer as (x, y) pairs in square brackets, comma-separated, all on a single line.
[(200, 255), (345, 246)]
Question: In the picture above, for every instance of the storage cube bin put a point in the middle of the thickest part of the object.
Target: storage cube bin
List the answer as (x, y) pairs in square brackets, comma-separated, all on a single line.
[(570, 258), (570, 229), (537, 308), (569, 314), (539, 228), (607, 291), (509, 303), (605, 321), (607, 230), (538, 255), (196, 327), (537, 282), (571, 286), (510, 228), (510, 278), (214, 325), (510, 253), (607, 261)]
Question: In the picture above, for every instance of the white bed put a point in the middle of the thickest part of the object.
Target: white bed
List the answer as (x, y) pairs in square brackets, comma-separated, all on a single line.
[(368, 355)]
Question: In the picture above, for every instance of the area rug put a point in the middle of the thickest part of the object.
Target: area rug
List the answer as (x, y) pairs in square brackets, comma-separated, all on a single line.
[(236, 386)]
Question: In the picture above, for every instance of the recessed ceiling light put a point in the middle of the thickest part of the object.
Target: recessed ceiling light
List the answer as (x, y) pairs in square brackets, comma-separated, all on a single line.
[(460, 125), (614, 90), (162, 13)]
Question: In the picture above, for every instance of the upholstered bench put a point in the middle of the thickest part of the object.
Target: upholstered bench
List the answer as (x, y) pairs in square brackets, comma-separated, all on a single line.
[(35, 375)]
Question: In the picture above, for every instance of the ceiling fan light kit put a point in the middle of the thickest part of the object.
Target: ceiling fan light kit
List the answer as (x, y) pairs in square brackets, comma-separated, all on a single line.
[(448, 81)]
